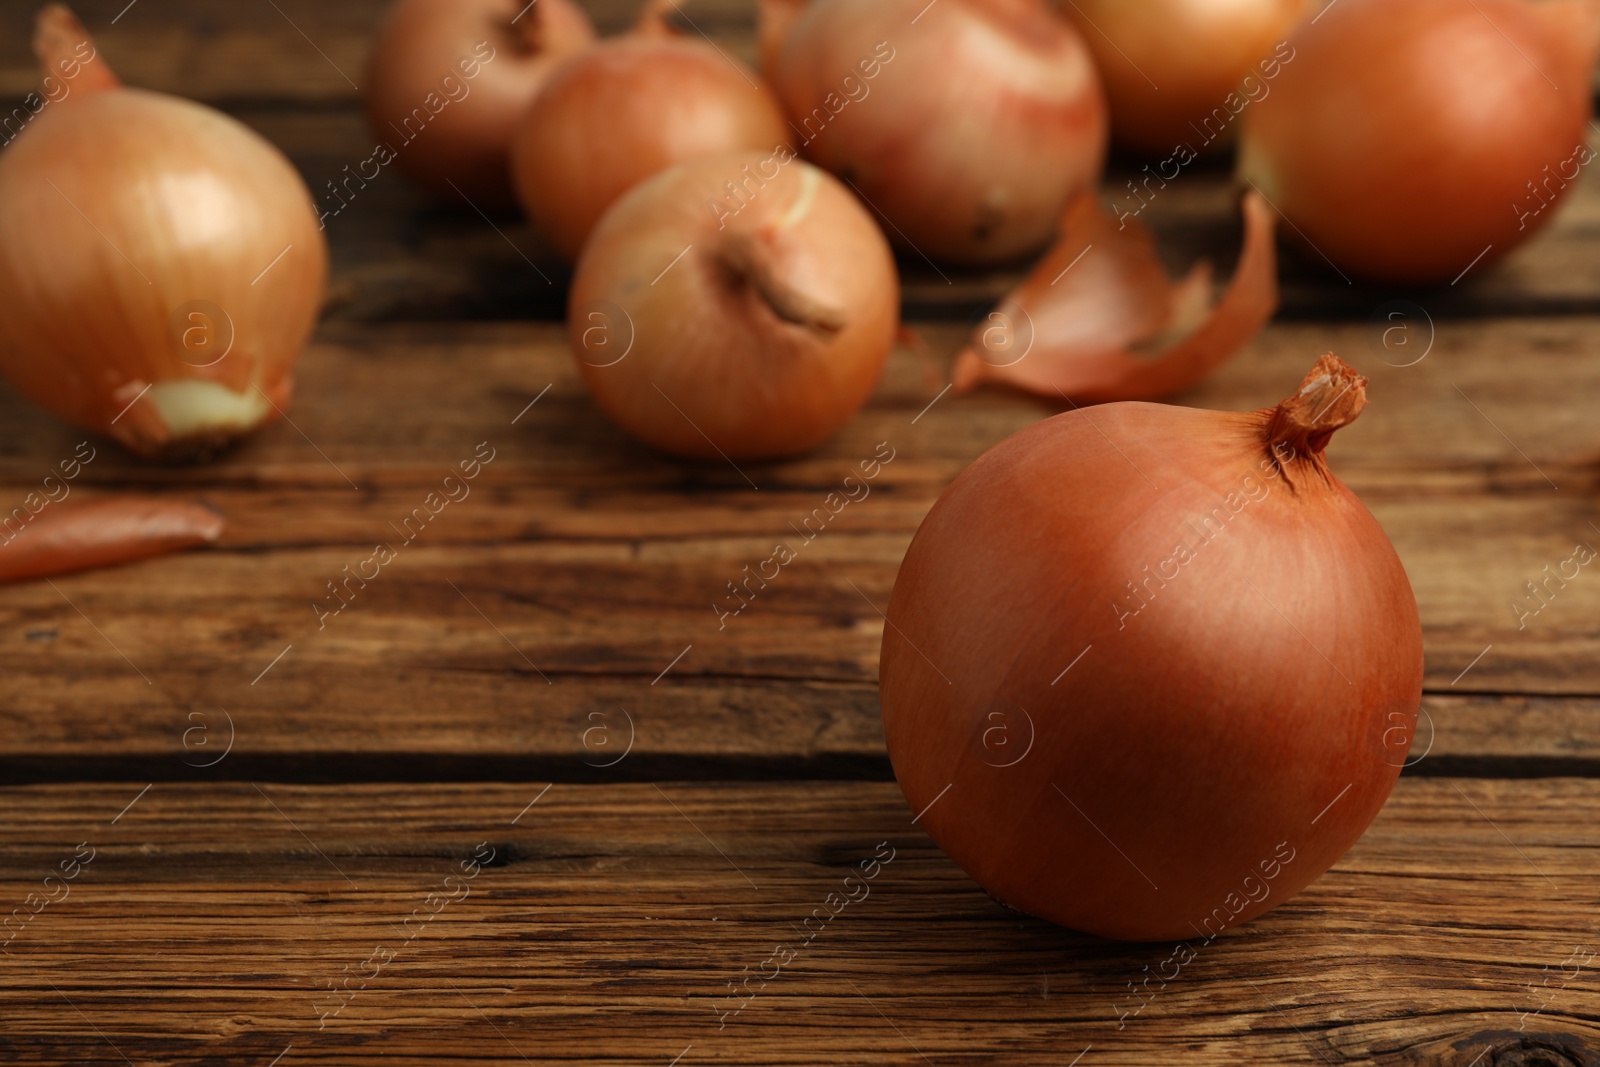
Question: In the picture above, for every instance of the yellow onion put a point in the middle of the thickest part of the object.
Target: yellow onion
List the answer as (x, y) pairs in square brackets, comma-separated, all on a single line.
[(448, 80), (967, 123), (734, 307), (626, 109), (1169, 66), (1412, 142), (1145, 665), (161, 266)]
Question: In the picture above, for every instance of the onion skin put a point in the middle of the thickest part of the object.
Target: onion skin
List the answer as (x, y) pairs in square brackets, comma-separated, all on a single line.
[(1166, 64), (1089, 311), (629, 108), (774, 20), (468, 142), (121, 211), (767, 334), (1402, 140), (82, 535), (968, 130), (1198, 734)]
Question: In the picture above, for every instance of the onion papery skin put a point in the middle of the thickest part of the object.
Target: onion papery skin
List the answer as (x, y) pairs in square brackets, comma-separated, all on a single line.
[(1406, 140), (968, 128), (181, 208), (754, 335), (1199, 735), (467, 143), (629, 108), (1098, 319), (1168, 64), (80, 535)]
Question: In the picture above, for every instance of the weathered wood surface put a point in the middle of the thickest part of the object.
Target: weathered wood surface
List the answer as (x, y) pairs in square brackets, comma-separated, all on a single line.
[(213, 917), (557, 627), (582, 565)]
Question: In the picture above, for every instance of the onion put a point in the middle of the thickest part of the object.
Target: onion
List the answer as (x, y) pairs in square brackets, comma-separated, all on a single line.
[(78, 535), (774, 20), (984, 116), (1406, 141), (161, 265), (1082, 325), (1170, 65), (1146, 649), (735, 307), (455, 76), (626, 109)]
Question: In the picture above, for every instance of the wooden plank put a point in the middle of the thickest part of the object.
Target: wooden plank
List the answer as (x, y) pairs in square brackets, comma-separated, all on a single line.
[(213, 918), (454, 723), (600, 563)]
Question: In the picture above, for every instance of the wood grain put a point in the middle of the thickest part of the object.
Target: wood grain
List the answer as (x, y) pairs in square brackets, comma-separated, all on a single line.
[(588, 561), (212, 918)]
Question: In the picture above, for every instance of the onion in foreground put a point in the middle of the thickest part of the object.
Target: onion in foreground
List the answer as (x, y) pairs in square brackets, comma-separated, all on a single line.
[(739, 307), (1144, 664), (1411, 142), (967, 123), (161, 266), (626, 109), (448, 80)]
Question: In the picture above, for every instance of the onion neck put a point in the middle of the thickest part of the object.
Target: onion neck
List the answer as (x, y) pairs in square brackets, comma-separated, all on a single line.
[(1330, 397), (756, 263), (66, 53), (527, 31), (659, 18)]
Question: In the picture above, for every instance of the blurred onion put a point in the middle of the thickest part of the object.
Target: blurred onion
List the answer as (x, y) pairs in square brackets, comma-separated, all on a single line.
[(1169, 64), (161, 265), (627, 109), (479, 64), (967, 123), (1406, 141)]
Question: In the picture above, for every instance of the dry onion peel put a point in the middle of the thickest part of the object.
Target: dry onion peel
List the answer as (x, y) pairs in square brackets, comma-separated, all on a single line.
[(1136, 651), (161, 265), (78, 536), (1088, 316)]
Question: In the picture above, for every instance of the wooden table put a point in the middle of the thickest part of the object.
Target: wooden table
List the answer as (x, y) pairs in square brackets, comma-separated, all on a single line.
[(522, 800)]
